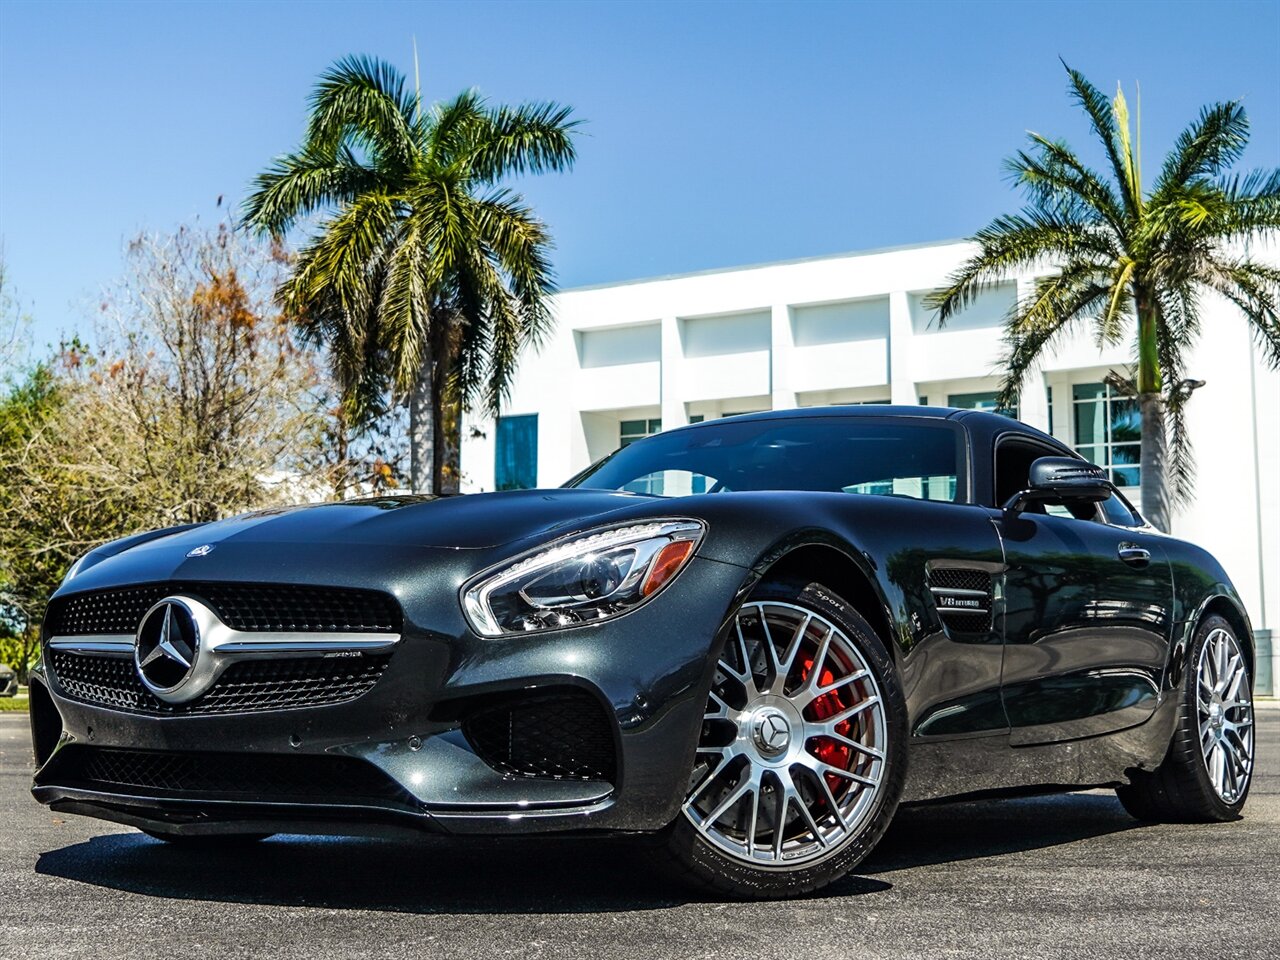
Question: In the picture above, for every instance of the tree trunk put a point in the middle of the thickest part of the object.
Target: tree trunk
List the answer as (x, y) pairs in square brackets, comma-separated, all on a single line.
[(448, 418), (448, 442), (1155, 442), (341, 450), (422, 427), (1154, 462)]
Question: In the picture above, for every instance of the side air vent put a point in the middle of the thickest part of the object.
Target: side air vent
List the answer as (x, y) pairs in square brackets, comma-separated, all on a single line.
[(963, 596), (560, 735)]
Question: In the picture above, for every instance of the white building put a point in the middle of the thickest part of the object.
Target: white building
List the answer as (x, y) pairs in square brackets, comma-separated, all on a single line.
[(629, 359)]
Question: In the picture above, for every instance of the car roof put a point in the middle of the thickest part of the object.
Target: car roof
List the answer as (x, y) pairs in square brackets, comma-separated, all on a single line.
[(983, 426), (996, 422)]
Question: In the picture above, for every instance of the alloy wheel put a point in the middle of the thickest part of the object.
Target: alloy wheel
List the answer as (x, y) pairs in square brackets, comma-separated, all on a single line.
[(794, 739), (1225, 710)]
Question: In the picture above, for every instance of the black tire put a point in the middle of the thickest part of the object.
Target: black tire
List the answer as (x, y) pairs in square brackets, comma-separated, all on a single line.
[(681, 852), (207, 841), (1180, 790)]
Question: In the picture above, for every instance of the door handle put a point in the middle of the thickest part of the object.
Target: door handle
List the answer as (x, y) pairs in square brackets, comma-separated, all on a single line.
[(1134, 555)]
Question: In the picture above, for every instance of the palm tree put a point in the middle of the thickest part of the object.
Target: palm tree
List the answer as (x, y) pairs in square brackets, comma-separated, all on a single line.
[(425, 276), (1121, 252)]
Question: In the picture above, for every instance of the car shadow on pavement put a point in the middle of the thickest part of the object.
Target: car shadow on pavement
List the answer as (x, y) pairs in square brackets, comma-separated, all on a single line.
[(934, 834), (456, 876)]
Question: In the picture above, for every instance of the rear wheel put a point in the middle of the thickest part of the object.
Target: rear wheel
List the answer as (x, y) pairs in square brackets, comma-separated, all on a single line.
[(1206, 774), (801, 758)]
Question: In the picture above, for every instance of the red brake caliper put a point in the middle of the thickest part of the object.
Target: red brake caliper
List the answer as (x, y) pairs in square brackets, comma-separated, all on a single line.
[(828, 705)]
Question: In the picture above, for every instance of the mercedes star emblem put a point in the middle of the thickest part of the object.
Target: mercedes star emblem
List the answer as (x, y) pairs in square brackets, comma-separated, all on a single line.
[(166, 647)]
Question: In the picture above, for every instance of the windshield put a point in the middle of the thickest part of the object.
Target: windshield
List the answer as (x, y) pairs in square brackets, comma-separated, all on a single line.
[(894, 457)]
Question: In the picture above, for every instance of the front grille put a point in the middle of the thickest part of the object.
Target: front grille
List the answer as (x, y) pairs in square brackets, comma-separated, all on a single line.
[(252, 777), (246, 686), (964, 619), (565, 735), (253, 607)]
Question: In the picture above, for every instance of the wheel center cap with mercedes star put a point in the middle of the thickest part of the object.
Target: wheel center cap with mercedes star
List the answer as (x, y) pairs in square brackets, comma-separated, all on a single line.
[(879, 605), (772, 732)]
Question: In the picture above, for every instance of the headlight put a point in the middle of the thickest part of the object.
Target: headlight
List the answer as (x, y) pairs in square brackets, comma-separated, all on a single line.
[(584, 579)]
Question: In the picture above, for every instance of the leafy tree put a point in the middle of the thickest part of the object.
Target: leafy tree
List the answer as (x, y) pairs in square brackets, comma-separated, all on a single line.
[(27, 574), (427, 277), (13, 322), (193, 403), (1123, 251)]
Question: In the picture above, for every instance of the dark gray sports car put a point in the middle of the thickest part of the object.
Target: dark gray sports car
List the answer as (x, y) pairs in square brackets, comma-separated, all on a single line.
[(750, 639)]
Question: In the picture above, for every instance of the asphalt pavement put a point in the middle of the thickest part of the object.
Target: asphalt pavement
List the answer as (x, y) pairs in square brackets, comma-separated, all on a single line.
[(1064, 876)]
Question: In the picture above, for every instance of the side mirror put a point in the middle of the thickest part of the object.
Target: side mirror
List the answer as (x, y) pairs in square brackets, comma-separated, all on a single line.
[(1061, 480)]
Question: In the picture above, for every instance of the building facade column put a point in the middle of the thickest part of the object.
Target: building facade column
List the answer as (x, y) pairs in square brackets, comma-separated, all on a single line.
[(781, 349), (902, 385), (674, 413), (1033, 401)]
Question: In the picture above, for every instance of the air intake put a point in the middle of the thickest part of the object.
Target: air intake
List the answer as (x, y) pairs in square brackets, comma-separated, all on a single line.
[(561, 735), (254, 607)]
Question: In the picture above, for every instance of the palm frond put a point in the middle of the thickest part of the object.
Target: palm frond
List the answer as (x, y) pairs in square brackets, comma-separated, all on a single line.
[(1210, 144), (1057, 179), (530, 138), (451, 124), (1056, 304), (1033, 239), (1126, 141), (363, 99), (1178, 315), (1254, 288), (1249, 206), (335, 267), (520, 244), (404, 307), (302, 183), (1101, 114), (1109, 328)]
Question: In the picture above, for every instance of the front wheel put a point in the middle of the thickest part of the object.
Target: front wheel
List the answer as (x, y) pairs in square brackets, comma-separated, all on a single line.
[(1205, 775), (802, 752)]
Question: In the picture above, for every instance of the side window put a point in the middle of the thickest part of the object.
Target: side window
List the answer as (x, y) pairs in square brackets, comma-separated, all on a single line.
[(1014, 457), (1013, 473), (1118, 513)]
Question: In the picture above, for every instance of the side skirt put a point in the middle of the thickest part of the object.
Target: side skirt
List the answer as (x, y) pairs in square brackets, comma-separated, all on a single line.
[(941, 769)]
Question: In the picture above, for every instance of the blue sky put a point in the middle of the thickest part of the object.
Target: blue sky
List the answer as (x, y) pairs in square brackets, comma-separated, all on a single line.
[(717, 134)]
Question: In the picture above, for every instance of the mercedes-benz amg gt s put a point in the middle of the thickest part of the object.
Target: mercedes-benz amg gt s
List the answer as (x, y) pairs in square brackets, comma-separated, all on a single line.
[(750, 639)]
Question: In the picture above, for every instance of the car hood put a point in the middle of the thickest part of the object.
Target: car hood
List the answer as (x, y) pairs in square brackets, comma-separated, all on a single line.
[(352, 541), (464, 522)]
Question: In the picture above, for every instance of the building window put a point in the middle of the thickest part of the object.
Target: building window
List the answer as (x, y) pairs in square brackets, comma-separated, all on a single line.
[(1108, 430), (629, 431), (1048, 392), (516, 457), (979, 401)]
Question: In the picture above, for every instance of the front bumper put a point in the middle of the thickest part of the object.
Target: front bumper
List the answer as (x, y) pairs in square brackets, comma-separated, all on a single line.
[(648, 672)]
